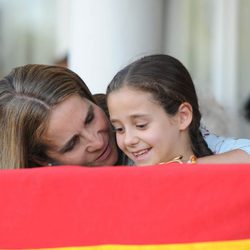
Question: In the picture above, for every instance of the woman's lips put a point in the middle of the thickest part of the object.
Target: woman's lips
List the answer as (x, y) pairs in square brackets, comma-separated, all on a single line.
[(105, 154)]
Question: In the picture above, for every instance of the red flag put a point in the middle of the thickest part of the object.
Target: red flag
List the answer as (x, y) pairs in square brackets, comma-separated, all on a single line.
[(156, 207)]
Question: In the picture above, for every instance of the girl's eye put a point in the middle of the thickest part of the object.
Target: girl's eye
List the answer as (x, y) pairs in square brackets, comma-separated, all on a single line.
[(118, 129), (141, 126)]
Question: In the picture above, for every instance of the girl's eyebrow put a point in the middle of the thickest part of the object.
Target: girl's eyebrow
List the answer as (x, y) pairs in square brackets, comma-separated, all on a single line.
[(135, 116), (139, 115), (74, 137)]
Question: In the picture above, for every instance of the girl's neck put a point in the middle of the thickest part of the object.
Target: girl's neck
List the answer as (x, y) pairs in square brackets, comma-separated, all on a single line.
[(183, 147), (178, 159)]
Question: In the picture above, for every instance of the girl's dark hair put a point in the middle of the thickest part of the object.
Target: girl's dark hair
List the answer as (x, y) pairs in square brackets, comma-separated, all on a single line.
[(247, 110), (170, 84)]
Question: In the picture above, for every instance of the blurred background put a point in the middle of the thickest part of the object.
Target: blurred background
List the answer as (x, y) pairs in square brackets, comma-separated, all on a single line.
[(97, 38)]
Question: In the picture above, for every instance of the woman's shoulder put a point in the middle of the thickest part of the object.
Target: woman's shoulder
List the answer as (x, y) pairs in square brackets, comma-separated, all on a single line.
[(220, 144)]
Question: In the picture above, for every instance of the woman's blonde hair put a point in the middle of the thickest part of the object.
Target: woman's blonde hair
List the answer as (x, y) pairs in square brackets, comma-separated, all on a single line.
[(27, 96)]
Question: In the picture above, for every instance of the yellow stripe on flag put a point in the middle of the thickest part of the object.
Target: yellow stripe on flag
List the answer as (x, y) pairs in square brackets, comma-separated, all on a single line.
[(217, 245)]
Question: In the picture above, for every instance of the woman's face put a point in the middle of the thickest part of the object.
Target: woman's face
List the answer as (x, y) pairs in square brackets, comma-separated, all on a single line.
[(79, 133)]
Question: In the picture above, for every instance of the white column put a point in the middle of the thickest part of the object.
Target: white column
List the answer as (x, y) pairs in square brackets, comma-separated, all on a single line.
[(106, 35), (62, 28), (224, 57), (177, 29)]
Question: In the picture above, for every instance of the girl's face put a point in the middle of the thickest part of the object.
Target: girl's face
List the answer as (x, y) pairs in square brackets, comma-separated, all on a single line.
[(79, 133), (144, 131)]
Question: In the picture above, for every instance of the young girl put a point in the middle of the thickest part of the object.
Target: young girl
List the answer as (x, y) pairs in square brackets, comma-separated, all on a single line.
[(154, 110)]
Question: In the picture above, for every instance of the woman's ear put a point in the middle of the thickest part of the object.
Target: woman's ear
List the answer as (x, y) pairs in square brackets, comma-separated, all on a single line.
[(185, 112), (42, 162)]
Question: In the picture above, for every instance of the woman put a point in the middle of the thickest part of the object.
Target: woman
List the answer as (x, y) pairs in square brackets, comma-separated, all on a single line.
[(49, 117)]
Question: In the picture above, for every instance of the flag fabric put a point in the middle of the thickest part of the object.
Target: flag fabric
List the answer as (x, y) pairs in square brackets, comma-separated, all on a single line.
[(175, 206)]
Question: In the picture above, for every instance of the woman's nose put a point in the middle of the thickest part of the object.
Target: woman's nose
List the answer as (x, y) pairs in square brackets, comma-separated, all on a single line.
[(94, 141)]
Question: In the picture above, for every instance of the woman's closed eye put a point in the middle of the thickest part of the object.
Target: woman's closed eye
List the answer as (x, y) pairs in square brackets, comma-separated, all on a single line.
[(71, 144), (90, 115)]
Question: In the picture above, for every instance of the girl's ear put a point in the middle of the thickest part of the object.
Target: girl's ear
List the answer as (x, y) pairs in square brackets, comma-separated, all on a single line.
[(185, 112)]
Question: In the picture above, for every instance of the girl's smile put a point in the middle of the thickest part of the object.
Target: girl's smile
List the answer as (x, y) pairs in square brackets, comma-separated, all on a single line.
[(144, 131)]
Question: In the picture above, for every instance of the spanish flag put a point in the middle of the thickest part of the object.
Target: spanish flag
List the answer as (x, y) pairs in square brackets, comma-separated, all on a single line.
[(170, 207)]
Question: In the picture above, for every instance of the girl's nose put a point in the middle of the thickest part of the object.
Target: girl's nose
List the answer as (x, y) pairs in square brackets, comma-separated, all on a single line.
[(130, 139)]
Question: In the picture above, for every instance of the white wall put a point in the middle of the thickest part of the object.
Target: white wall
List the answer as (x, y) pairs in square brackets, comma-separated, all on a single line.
[(108, 34), (211, 38), (27, 33), (205, 37)]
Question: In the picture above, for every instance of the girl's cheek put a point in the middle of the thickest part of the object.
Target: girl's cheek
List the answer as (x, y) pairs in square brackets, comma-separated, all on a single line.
[(119, 141)]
